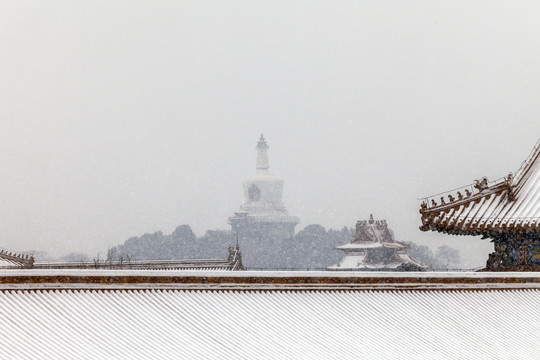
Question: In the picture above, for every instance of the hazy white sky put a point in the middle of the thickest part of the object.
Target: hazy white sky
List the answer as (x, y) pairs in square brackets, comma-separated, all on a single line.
[(124, 117)]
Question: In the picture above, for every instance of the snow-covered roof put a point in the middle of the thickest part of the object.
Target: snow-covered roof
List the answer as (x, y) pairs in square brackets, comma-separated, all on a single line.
[(351, 261), (512, 203), (6, 263), (359, 245), (357, 263), (188, 324), (372, 231), (375, 242), (194, 264), (51, 279), (13, 260), (370, 245)]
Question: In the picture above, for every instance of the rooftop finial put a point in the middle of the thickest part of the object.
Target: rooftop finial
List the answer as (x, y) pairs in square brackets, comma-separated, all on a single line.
[(262, 143), (262, 156)]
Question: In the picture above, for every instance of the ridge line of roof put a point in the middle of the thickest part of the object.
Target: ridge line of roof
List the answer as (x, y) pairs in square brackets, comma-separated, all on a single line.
[(497, 181)]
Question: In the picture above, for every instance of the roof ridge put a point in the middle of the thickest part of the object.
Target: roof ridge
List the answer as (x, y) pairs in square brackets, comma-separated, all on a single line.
[(508, 204), (528, 163)]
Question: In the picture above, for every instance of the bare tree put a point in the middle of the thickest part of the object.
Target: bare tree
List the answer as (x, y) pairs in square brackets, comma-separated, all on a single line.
[(128, 259), (97, 260), (121, 258), (110, 255)]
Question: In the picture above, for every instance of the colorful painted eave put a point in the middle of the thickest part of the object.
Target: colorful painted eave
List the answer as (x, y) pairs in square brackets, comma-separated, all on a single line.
[(509, 204)]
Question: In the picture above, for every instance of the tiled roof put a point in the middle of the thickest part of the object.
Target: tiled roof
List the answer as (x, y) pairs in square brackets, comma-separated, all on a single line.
[(196, 264), (262, 280), (180, 324), (373, 247), (6, 263), (233, 262), (372, 231), (13, 260), (512, 203)]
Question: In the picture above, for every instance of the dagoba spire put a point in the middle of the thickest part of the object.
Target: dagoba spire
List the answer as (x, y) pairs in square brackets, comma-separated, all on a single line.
[(262, 223), (262, 156)]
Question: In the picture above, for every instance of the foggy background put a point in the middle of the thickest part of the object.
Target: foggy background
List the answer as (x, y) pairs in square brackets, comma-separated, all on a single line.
[(125, 117)]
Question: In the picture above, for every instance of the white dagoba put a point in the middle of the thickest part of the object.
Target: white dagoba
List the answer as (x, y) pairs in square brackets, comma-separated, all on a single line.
[(262, 221)]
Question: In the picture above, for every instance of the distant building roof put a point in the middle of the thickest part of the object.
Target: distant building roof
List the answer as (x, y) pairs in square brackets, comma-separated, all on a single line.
[(233, 262), (491, 317), (13, 260), (8, 264), (373, 247), (511, 203)]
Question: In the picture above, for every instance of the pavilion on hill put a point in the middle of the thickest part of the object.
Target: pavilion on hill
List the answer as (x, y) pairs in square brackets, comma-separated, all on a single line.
[(373, 248), (507, 211)]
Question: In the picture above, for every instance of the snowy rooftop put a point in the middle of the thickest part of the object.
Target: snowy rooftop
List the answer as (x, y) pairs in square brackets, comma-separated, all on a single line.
[(373, 247), (193, 324), (263, 280), (510, 203), (13, 260), (7, 263), (372, 231), (369, 245)]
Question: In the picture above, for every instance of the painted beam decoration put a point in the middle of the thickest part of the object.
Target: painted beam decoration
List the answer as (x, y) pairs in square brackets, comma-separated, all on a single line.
[(506, 210)]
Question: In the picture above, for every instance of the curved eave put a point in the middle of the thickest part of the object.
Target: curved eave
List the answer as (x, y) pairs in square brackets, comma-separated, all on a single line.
[(510, 205), (359, 246), (480, 232)]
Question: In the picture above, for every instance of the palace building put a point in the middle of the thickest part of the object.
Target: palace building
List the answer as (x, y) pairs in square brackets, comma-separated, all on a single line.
[(262, 223), (373, 248), (507, 211)]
